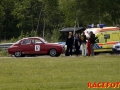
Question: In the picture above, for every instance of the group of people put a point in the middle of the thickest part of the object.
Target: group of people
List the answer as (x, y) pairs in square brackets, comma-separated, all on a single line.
[(83, 42)]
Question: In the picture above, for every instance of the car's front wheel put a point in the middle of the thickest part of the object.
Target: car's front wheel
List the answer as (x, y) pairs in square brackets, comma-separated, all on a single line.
[(18, 54), (53, 52)]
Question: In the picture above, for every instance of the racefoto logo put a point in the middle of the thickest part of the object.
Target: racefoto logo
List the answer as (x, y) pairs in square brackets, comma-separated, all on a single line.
[(103, 85)]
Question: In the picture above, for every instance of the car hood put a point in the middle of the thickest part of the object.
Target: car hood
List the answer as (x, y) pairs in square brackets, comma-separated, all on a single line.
[(62, 43)]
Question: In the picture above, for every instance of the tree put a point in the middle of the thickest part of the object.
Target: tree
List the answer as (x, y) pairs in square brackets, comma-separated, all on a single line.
[(26, 12), (7, 19), (23, 15)]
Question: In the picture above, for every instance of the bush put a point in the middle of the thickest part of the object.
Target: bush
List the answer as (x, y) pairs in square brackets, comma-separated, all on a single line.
[(3, 52), (47, 37), (12, 40), (55, 35), (21, 35), (33, 33)]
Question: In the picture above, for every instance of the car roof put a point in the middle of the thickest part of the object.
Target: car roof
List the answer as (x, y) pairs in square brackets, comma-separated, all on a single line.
[(31, 37), (94, 30), (109, 29)]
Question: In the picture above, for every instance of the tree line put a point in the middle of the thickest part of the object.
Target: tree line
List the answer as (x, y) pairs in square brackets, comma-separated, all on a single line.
[(49, 16)]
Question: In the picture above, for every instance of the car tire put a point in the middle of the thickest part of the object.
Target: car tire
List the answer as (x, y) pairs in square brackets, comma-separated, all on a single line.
[(18, 54), (53, 52)]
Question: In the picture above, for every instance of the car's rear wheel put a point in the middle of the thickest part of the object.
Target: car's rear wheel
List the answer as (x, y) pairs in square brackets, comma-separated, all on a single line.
[(53, 52), (18, 54)]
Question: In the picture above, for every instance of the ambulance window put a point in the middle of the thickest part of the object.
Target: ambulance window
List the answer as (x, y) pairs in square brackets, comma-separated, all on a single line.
[(115, 37), (107, 36)]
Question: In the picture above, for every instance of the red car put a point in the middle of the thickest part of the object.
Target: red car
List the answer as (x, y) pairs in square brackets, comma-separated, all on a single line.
[(35, 46)]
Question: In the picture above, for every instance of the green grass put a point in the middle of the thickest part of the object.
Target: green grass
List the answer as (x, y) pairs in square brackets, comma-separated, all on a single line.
[(61, 73)]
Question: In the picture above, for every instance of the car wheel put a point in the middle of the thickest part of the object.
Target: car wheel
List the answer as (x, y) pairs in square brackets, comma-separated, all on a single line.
[(53, 52), (18, 54)]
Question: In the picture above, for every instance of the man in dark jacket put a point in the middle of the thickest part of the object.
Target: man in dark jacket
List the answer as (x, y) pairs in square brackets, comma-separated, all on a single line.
[(92, 42), (77, 43), (69, 43)]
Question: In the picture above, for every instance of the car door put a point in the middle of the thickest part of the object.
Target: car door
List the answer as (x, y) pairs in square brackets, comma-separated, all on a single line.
[(37, 46), (25, 46)]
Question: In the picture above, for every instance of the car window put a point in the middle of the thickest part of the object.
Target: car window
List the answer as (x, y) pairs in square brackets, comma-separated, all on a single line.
[(43, 40), (32, 41), (26, 41), (37, 41)]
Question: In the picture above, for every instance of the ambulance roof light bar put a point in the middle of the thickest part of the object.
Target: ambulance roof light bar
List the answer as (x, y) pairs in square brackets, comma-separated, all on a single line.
[(96, 26)]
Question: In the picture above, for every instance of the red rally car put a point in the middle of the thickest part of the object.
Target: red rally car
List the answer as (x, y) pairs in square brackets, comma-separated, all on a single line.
[(35, 46)]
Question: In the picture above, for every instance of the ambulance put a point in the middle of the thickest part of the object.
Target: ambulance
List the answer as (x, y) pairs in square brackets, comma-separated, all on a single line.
[(106, 38)]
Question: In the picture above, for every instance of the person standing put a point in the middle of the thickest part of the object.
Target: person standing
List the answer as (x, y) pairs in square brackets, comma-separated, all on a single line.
[(92, 42), (77, 44), (69, 43), (83, 44), (88, 44)]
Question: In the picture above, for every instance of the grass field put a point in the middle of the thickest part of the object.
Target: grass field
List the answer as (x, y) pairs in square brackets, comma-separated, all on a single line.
[(60, 73)]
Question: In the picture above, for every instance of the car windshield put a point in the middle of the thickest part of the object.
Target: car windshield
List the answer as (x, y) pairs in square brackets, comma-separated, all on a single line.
[(43, 40), (17, 42)]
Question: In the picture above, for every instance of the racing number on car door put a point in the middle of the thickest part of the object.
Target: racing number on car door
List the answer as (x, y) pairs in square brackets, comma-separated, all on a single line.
[(37, 47)]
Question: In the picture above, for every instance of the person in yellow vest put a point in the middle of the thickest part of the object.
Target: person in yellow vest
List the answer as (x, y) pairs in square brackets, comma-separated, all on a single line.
[(83, 44)]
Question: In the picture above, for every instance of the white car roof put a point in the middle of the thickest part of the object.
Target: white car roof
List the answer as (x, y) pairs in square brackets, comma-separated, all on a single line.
[(94, 30)]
